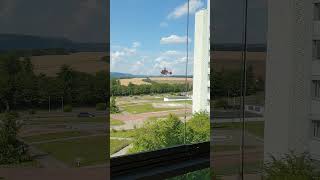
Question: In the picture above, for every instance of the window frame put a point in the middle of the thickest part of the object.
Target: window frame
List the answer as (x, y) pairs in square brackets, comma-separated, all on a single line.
[(163, 163)]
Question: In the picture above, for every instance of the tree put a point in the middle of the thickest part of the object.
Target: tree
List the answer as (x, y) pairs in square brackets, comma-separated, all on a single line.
[(11, 150), (66, 77), (113, 106), (9, 68)]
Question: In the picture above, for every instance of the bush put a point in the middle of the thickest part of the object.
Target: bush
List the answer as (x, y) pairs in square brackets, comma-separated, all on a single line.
[(290, 167), (67, 108), (101, 106)]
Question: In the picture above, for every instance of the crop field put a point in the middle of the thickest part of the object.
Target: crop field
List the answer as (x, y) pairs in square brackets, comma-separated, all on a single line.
[(169, 80), (89, 62)]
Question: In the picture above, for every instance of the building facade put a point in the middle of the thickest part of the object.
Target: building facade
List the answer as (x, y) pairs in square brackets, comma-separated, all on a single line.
[(201, 65), (292, 109)]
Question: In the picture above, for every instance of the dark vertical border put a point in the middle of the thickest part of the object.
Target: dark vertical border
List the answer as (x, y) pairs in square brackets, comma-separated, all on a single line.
[(108, 87)]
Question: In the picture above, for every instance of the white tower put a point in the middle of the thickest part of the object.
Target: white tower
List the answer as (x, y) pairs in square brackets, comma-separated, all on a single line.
[(201, 92)]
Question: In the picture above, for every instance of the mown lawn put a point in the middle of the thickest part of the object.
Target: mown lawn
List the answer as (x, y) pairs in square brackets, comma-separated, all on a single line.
[(27, 164), (255, 128), (143, 108), (123, 134), (52, 136), (114, 122), (91, 150), (116, 145)]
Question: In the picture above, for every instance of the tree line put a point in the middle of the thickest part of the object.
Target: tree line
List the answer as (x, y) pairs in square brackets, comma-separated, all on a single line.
[(21, 88), (153, 88), (228, 82)]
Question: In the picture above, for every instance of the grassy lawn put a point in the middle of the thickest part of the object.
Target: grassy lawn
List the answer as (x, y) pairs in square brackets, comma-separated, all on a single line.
[(68, 120), (181, 102), (123, 134), (117, 145), (255, 128), (114, 122), (91, 150), (27, 164), (143, 108), (52, 136)]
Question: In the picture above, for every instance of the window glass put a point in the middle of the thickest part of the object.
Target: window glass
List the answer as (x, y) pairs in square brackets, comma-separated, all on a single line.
[(53, 87), (159, 55), (238, 88)]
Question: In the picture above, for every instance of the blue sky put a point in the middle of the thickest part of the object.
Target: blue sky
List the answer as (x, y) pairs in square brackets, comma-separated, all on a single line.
[(148, 35)]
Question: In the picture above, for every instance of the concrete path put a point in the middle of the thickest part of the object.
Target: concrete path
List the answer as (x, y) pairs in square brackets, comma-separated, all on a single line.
[(123, 151)]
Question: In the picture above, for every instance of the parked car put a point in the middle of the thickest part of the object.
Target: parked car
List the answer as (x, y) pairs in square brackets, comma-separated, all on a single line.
[(85, 114)]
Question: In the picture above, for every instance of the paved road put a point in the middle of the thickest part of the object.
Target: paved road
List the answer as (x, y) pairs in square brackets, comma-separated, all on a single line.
[(144, 116)]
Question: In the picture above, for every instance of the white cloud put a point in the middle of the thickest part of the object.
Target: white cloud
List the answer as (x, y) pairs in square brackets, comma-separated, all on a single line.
[(164, 24), (174, 39), (183, 9), (123, 51), (136, 44), (172, 53)]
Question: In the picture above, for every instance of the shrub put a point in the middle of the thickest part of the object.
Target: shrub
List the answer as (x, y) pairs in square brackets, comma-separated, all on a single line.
[(101, 106), (290, 167), (67, 108)]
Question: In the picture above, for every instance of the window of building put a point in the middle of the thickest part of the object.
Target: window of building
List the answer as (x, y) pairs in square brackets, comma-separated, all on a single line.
[(316, 15), (316, 49), (316, 129), (315, 89)]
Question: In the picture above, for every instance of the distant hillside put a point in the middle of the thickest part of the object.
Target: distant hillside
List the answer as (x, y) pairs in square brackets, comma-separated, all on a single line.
[(28, 42), (127, 75), (121, 75)]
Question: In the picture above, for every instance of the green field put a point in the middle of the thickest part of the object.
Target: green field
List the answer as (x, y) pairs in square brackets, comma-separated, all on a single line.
[(52, 136), (27, 164), (123, 134), (114, 122), (91, 150), (117, 145), (255, 128), (143, 108)]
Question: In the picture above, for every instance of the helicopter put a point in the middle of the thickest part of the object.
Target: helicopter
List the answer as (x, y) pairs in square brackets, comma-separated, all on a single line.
[(166, 72)]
